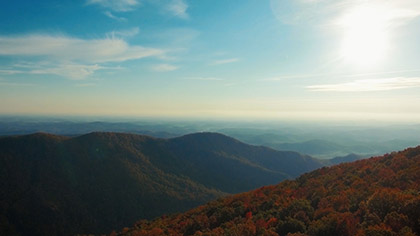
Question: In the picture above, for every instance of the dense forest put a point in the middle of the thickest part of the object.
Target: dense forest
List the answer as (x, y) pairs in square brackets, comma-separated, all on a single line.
[(372, 197), (94, 183)]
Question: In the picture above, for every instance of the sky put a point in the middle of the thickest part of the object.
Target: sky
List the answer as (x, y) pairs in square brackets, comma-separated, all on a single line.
[(265, 59)]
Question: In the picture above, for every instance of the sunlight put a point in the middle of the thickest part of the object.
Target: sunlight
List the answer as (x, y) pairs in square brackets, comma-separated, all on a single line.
[(365, 41)]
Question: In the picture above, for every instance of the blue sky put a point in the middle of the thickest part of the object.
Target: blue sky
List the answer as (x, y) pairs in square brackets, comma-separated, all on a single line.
[(274, 59)]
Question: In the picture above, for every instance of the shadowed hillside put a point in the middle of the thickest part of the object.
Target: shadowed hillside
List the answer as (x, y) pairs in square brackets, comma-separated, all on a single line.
[(376, 196), (54, 185)]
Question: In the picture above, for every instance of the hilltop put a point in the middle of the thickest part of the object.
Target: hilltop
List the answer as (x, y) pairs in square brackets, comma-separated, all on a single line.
[(93, 183), (376, 196)]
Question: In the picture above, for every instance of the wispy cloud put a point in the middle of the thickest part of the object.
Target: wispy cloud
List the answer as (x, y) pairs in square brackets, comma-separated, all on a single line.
[(112, 16), (177, 8), (68, 48), (74, 58), (116, 5), (68, 70), (286, 77), (164, 67), (72, 71), (10, 72), (204, 78), (369, 85), (336, 75), (13, 84), (224, 61), (124, 33)]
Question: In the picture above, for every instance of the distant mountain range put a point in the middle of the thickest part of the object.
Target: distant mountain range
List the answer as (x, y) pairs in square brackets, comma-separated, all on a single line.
[(344, 159), (379, 196), (58, 185), (323, 141), (326, 142)]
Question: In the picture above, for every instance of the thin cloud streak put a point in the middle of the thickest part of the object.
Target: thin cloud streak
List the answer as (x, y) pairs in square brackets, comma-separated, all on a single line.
[(75, 72), (4, 83), (164, 67), (285, 77), (112, 16), (67, 48), (124, 33), (204, 78), (381, 73), (115, 5), (305, 76), (176, 8), (225, 61), (10, 72), (70, 71), (369, 85)]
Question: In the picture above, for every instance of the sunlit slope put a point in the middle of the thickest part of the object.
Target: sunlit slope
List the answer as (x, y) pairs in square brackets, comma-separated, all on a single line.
[(376, 196)]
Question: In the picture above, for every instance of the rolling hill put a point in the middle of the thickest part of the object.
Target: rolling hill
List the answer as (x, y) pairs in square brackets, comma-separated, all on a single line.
[(57, 185), (371, 197), (343, 159)]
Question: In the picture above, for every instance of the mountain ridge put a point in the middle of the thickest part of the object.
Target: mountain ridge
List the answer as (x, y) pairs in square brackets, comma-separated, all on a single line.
[(369, 197), (100, 181)]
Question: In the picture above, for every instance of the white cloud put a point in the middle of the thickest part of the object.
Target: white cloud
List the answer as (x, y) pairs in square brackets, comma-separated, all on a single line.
[(177, 8), (115, 5), (225, 61), (164, 67), (112, 16), (67, 48), (74, 58), (71, 71), (369, 85)]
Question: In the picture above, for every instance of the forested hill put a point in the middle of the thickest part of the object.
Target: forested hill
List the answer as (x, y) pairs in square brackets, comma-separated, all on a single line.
[(372, 197), (56, 185)]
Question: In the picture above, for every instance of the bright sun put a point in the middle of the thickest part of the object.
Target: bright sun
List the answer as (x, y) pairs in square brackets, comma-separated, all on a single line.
[(365, 41)]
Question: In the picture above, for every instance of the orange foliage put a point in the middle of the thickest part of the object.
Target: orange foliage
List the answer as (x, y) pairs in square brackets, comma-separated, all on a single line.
[(378, 196)]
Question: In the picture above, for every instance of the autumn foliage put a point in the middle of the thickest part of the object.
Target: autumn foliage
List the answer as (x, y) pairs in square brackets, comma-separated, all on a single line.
[(377, 196)]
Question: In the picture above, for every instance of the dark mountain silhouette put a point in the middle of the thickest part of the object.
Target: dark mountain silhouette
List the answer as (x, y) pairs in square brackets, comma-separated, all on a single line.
[(371, 197), (56, 185)]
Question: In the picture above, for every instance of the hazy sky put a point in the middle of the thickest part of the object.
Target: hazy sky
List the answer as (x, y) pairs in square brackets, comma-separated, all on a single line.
[(278, 59)]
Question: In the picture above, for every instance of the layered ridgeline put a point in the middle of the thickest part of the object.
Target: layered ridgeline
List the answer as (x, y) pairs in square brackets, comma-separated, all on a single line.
[(376, 196), (56, 185)]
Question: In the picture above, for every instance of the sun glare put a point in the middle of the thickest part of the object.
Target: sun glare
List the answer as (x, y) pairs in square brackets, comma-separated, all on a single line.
[(365, 40)]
